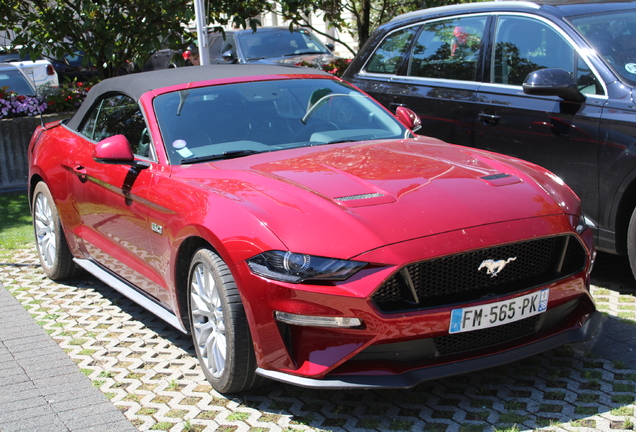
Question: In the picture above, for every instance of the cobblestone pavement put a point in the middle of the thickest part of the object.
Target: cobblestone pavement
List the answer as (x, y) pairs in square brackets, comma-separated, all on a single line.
[(149, 371)]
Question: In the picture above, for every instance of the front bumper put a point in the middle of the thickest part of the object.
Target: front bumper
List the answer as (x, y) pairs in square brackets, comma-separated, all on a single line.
[(414, 377)]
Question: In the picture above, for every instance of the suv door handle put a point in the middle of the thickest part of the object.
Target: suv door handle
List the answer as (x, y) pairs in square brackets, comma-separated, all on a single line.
[(489, 119)]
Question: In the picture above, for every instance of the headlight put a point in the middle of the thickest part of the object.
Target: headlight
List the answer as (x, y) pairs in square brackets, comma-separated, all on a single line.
[(296, 268)]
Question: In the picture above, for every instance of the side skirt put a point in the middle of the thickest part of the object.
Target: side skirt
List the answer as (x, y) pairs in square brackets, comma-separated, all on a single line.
[(130, 292)]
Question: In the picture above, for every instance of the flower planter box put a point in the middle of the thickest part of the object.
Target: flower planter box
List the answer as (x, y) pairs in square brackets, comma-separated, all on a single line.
[(15, 135)]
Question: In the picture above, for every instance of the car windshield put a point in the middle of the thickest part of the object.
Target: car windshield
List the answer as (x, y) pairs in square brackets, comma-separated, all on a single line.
[(15, 81), (266, 44), (235, 120), (613, 36)]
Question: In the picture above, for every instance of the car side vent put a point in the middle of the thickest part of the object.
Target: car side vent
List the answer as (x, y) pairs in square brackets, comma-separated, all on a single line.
[(359, 197), (495, 176)]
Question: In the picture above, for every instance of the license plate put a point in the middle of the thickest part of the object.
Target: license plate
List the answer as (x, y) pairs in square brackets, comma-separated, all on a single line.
[(496, 314)]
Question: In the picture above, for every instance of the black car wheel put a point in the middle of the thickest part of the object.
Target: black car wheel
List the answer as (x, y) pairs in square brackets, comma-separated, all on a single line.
[(219, 327), (631, 242), (53, 251)]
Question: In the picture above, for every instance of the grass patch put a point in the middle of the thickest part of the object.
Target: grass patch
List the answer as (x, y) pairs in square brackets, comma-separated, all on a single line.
[(16, 231), (511, 418), (623, 411), (625, 388), (368, 424), (401, 425), (238, 416), (585, 410), (623, 399)]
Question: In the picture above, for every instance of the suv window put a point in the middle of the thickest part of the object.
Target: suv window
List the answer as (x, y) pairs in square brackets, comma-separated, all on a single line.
[(613, 36), (118, 114), (229, 45), (523, 45), (448, 49), (215, 46), (390, 54)]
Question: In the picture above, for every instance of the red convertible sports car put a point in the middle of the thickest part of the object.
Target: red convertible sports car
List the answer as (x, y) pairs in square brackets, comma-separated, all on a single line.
[(302, 233)]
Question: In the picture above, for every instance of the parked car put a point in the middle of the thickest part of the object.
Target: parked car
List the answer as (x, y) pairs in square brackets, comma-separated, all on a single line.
[(302, 233), (70, 68), (13, 79), (548, 81), (269, 45), (40, 71), (164, 58)]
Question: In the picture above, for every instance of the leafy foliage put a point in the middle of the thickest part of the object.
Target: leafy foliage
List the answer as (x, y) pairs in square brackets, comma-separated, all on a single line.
[(68, 97), (116, 36), (113, 34)]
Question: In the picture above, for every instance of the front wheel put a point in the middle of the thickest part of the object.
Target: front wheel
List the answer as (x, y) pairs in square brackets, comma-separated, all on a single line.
[(219, 327), (631, 242), (53, 251)]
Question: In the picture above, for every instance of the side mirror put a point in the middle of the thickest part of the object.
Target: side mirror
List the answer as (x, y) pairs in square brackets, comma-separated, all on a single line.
[(115, 150), (330, 46), (553, 82), (408, 118)]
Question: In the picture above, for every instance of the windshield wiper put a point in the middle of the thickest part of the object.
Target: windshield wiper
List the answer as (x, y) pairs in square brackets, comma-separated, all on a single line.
[(225, 155), (347, 140), (305, 53)]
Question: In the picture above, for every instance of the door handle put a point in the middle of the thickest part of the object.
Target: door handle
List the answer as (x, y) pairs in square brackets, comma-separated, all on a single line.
[(489, 119), (80, 171)]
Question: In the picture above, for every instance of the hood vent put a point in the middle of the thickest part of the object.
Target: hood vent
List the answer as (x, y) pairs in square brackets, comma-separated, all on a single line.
[(359, 197), (500, 179), (495, 176)]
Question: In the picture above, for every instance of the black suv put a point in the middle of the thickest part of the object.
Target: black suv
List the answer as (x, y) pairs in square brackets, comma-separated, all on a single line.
[(551, 82)]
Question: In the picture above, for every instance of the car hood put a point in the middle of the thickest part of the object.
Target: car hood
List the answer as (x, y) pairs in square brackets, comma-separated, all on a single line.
[(345, 199)]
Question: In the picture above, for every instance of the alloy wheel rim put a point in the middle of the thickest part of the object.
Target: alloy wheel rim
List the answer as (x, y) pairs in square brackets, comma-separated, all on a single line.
[(207, 317), (45, 230)]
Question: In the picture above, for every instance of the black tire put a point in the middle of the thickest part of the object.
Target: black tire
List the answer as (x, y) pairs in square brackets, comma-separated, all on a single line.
[(53, 251), (631, 242), (220, 331)]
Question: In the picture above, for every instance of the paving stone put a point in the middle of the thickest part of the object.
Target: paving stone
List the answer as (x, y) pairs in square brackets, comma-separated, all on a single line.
[(148, 371)]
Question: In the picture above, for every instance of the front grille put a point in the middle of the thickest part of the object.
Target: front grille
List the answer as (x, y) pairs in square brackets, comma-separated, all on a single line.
[(456, 343), (466, 277)]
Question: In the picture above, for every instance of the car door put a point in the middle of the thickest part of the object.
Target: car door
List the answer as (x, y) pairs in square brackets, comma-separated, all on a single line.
[(438, 78), (111, 199), (559, 135)]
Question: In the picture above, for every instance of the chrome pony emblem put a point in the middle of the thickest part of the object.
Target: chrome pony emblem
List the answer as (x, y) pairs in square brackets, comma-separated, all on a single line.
[(494, 267)]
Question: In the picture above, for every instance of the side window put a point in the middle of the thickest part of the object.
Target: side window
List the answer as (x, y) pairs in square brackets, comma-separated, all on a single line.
[(389, 55), (118, 114), (523, 45), (448, 49), (229, 45), (215, 46)]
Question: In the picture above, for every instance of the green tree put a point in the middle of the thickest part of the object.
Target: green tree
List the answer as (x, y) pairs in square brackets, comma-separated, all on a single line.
[(113, 34)]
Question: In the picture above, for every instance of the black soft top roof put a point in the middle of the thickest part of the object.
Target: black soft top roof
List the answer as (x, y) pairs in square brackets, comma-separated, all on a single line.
[(135, 85)]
